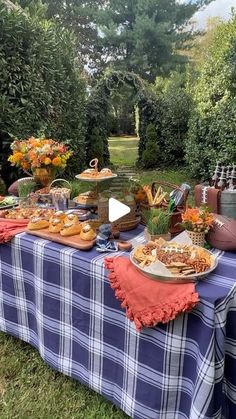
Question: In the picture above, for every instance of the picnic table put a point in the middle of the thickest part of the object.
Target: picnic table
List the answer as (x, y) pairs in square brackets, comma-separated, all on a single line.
[(60, 301)]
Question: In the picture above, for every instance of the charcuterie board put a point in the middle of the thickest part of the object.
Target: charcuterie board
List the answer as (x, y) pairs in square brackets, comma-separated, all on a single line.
[(71, 241)]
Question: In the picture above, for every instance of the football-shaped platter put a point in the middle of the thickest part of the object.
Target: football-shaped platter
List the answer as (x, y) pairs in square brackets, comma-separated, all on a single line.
[(222, 235)]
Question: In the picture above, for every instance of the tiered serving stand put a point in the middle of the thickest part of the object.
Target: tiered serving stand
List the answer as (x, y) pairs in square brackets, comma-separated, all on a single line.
[(97, 180)]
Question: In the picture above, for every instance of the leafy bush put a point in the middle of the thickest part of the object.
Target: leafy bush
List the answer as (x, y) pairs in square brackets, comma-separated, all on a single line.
[(41, 91), (151, 155), (175, 106)]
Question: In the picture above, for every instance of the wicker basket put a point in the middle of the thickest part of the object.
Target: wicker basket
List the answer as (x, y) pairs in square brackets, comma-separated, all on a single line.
[(122, 225), (198, 238)]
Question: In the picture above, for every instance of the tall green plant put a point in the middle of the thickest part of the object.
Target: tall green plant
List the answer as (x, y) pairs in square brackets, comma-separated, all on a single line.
[(157, 221), (151, 155), (96, 149)]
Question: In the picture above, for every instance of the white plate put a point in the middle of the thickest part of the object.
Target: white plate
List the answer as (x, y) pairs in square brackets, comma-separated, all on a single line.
[(100, 179), (5, 207), (16, 202), (171, 278)]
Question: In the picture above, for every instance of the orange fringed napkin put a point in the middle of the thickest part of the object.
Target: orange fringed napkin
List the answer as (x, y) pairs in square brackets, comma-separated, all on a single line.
[(9, 228), (148, 302)]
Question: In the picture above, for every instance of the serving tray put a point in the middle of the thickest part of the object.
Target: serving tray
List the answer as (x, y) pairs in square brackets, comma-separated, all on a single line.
[(174, 279), (71, 241)]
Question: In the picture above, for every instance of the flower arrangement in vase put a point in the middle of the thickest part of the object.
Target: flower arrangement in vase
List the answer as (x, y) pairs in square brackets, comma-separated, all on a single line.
[(158, 224), (43, 157), (197, 222)]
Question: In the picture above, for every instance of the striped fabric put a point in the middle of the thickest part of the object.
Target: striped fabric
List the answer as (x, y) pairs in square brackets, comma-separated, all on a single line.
[(59, 300)]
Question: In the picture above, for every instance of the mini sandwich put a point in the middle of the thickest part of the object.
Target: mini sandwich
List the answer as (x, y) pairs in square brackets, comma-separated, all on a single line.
[(71, 219), (55, 225), (87, 233), (71, 229), (105, 172), (37, 223)]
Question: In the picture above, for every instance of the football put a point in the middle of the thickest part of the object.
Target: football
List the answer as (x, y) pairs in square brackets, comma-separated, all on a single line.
[(223, 233)]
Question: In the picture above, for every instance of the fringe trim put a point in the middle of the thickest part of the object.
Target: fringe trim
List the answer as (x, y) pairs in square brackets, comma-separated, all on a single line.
[(152, 316)]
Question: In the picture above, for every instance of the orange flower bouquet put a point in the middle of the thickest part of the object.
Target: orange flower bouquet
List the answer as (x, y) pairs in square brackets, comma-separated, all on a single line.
[(40, 154), (197, 219), (197, 222)]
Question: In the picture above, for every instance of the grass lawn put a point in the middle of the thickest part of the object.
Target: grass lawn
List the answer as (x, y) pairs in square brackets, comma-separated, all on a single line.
[(123, 150), (29, 389)]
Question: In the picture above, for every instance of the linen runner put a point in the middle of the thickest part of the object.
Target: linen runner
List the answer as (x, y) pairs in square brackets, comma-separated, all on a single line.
[(60, 301)]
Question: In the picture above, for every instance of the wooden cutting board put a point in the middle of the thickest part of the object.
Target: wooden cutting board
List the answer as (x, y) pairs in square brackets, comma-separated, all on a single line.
[(72, 241)]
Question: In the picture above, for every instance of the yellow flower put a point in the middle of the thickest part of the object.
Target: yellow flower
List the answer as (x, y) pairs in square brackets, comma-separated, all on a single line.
[(47, 161), (18, 156)]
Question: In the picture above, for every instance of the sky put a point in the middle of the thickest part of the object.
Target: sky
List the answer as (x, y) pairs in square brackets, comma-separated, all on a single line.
[(219, 8)]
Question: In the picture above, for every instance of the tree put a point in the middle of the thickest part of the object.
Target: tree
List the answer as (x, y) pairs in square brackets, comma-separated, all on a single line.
[(199, 47), (143, 35), (79, 16)]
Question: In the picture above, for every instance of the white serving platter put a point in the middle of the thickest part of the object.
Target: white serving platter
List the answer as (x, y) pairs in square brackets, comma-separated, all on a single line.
[(157, 276)]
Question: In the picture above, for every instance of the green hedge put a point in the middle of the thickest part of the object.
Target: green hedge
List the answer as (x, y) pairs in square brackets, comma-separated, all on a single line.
[(212, 128), (41, 90), (212, 138), (175, 104)]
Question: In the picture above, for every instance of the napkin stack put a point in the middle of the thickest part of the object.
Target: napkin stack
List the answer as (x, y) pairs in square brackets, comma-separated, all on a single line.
[(9, 228)]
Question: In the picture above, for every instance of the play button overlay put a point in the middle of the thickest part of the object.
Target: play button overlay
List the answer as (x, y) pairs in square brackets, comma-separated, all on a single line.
[(117, 210)]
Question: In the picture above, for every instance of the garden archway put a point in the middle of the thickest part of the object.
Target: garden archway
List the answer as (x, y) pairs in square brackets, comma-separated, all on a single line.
[(98, 108)]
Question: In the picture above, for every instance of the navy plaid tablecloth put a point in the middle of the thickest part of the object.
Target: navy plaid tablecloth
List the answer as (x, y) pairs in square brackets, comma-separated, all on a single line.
[(59, 300)]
